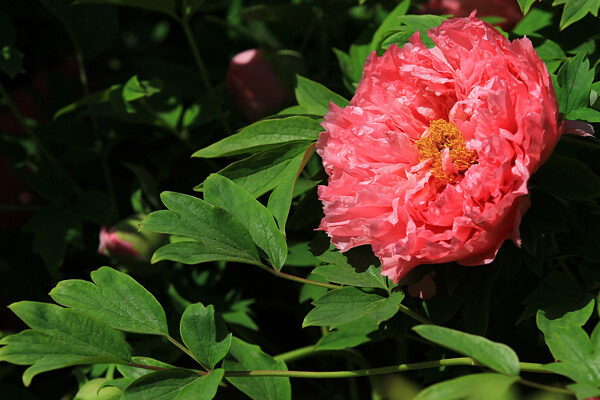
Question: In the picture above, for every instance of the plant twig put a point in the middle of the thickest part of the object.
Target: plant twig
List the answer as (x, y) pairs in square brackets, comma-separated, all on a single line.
[(297, 278), (185, 350), (459, 361), (26, 127), (203, 73), (547, 388)]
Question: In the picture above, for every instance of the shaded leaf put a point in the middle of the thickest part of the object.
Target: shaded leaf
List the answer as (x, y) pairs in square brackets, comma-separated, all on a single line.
[(54, 228), (165, 6), (568, 178)]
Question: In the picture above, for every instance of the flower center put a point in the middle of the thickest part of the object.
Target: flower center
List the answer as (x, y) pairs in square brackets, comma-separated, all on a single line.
[(449, 164)]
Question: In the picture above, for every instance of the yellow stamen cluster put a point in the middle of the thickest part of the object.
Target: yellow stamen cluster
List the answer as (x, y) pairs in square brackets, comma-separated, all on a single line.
[(445, 135)]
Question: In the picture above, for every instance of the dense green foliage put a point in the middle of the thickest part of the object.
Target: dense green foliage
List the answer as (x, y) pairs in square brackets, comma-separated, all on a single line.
[(113, 108)]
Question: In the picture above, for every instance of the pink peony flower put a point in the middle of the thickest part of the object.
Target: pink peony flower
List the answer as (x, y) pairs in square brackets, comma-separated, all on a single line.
[(253, 85), (507, 9), (430, 161)]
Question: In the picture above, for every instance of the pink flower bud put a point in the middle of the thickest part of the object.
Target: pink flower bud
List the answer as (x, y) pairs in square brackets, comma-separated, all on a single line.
[(253, 85), (124, 241)]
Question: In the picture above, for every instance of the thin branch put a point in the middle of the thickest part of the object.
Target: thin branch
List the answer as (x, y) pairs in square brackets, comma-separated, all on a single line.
[(547, 388), (418, 317), (203, 73), (297, 278), (186, 351), (527, 367), (26, 127)]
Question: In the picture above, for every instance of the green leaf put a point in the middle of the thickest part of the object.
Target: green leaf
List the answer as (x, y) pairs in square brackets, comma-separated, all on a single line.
[(262, 135), (340, 306), (116, 299), (280, 199), (534, 21), (390, 22), (192, 252), (11, 61), (218, 232), (551, 54), (315, 97), (351, 64), (54, 228), (585, 114), (97, 389), (8, 35), (205, 334), (132, 373), (568, 178), (408, 25), (165, 6), (60, 338), (574, 82), (338, 270), (116, 97), (174, 384), (525, 5), (348, 335), (255, 217), (576, 9), (247, 357), (83, 24), (264, 170), (474, 387), (496, 356), (578, 354), (147, 183), (135, 89)]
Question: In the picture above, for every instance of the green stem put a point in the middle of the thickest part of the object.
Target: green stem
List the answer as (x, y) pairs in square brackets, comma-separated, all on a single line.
[(185, 350), (26, 127), (81, 68), (460, 361), (144, 366), (547, 388), (164, 124), (297, 278), (296, 354), (109, 183), (308, 350), (203, 73), (564, 265), (407, 311)]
